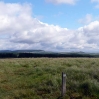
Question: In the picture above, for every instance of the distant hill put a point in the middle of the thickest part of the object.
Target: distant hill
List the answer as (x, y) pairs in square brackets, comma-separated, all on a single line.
[(5, 51), (28, 51), (42, 53), (20, 51)]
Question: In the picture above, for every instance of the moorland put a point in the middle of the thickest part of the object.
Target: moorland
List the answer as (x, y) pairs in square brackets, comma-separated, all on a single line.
[(40, 78)]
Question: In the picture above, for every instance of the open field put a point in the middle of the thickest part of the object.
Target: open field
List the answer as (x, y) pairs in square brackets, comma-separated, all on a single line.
[(40, 78)]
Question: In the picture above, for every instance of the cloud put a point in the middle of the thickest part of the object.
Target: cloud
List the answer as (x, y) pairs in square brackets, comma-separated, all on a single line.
[(58, 14), (96, 1), (91, 32), (20, 30), (86, 20), (97, 6), (71, 2)]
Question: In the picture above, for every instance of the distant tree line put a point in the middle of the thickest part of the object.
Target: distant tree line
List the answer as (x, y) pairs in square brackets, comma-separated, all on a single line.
[(50, 55)]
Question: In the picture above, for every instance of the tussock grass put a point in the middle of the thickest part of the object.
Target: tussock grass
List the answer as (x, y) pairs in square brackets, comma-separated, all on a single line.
[(40, 78)]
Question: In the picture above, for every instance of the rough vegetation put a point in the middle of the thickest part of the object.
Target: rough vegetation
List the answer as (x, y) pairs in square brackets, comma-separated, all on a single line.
[(40, 78)]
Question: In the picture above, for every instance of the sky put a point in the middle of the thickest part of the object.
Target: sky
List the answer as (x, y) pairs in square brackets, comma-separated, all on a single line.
[(50, 25)]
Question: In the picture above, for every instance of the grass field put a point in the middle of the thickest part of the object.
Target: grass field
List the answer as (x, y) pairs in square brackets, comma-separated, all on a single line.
[(40, 78)]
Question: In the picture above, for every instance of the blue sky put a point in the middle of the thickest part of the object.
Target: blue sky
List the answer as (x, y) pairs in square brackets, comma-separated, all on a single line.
[(54, 25), (64, 15)]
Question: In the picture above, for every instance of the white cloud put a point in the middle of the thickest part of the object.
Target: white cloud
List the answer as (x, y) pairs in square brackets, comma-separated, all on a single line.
[(91, 32), (72, 2), (19, 30), (96, 1), (86, 20), (58, 14)]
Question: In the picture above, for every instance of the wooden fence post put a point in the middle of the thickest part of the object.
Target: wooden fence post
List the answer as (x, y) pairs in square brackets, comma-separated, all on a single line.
[(63, 84)]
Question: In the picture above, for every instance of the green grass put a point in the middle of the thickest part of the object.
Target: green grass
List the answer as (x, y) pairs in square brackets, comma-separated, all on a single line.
[(40, 78)]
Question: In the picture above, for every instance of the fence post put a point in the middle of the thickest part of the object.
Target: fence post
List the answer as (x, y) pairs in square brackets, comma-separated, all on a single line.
[(63, 84)]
